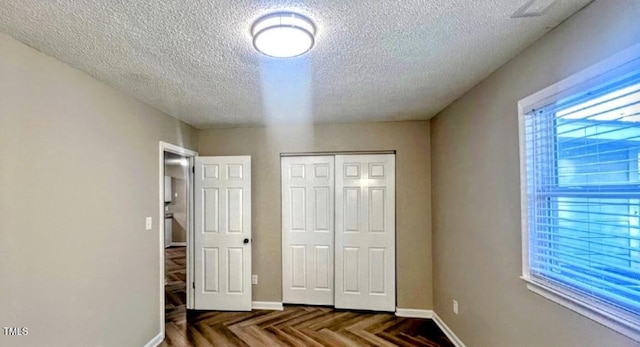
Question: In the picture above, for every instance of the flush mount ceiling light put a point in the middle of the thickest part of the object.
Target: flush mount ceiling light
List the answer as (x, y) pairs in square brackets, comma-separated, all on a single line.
[(283, 34)]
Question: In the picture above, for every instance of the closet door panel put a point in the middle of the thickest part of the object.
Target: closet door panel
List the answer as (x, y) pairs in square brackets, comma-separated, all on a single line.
[(365, 232), (308, 230)]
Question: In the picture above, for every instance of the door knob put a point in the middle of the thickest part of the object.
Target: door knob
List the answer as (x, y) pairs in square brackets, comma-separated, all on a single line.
[(246, 241)]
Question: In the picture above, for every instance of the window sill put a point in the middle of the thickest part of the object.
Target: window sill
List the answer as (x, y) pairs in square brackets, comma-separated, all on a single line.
[(597, 313)]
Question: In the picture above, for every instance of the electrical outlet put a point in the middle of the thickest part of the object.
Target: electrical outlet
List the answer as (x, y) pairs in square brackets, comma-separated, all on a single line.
[(148, 223), (254, 279), (455, 306)]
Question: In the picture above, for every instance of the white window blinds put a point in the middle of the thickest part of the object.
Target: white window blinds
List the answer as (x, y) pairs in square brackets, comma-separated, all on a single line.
[(583, 195)]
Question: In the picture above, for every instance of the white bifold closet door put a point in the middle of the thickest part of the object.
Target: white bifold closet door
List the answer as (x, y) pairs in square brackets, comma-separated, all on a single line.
[(365, 232), (347, 201), (307, 230)]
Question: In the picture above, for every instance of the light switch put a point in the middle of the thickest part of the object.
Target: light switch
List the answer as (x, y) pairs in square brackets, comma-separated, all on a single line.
[(149, 222)]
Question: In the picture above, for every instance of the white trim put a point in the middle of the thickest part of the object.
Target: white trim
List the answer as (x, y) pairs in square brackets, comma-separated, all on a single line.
[(168, 147), (155, 341), (414, 313), (447, 331), (267, 305), (334, 153), (178, 244), (191, 301), (524, 205)]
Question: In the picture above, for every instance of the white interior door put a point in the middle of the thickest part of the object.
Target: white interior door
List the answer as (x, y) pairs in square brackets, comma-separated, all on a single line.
[(365, 232), (307, 230), (222, 236)]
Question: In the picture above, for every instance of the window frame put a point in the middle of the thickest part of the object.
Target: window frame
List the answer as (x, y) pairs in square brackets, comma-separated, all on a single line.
[(626, 61)]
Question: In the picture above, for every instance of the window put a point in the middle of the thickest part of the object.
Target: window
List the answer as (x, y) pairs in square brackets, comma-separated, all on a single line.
[(580, 156)]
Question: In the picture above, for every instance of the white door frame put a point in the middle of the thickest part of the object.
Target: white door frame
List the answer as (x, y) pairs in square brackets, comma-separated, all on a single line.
[(189, 154)]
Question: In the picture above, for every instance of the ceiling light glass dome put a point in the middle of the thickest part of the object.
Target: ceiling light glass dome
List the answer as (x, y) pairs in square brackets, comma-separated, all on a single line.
[(283, 34)]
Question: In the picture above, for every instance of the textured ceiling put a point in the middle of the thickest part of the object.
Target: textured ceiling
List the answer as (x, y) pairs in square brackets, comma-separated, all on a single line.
[(373, 60)]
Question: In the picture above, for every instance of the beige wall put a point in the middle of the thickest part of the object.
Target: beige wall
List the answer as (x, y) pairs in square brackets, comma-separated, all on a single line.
[(78, 175), (410, 139), (476, 197), (178, 207), (176, 171)]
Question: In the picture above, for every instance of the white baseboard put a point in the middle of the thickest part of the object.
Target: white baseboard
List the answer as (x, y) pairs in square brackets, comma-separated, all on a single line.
[(267, 305), (155, 342), (447, 331), (414, 313), (179, 244)]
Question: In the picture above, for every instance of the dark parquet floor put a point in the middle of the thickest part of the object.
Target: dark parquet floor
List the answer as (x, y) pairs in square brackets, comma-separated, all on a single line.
[(295, 326)]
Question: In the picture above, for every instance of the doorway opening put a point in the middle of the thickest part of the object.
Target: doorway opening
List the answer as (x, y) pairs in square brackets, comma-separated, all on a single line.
[(176, 174), (176, 232)]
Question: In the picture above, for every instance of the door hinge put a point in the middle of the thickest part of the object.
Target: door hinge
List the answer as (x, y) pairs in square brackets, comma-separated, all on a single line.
[(193, 285), (193, 169)]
